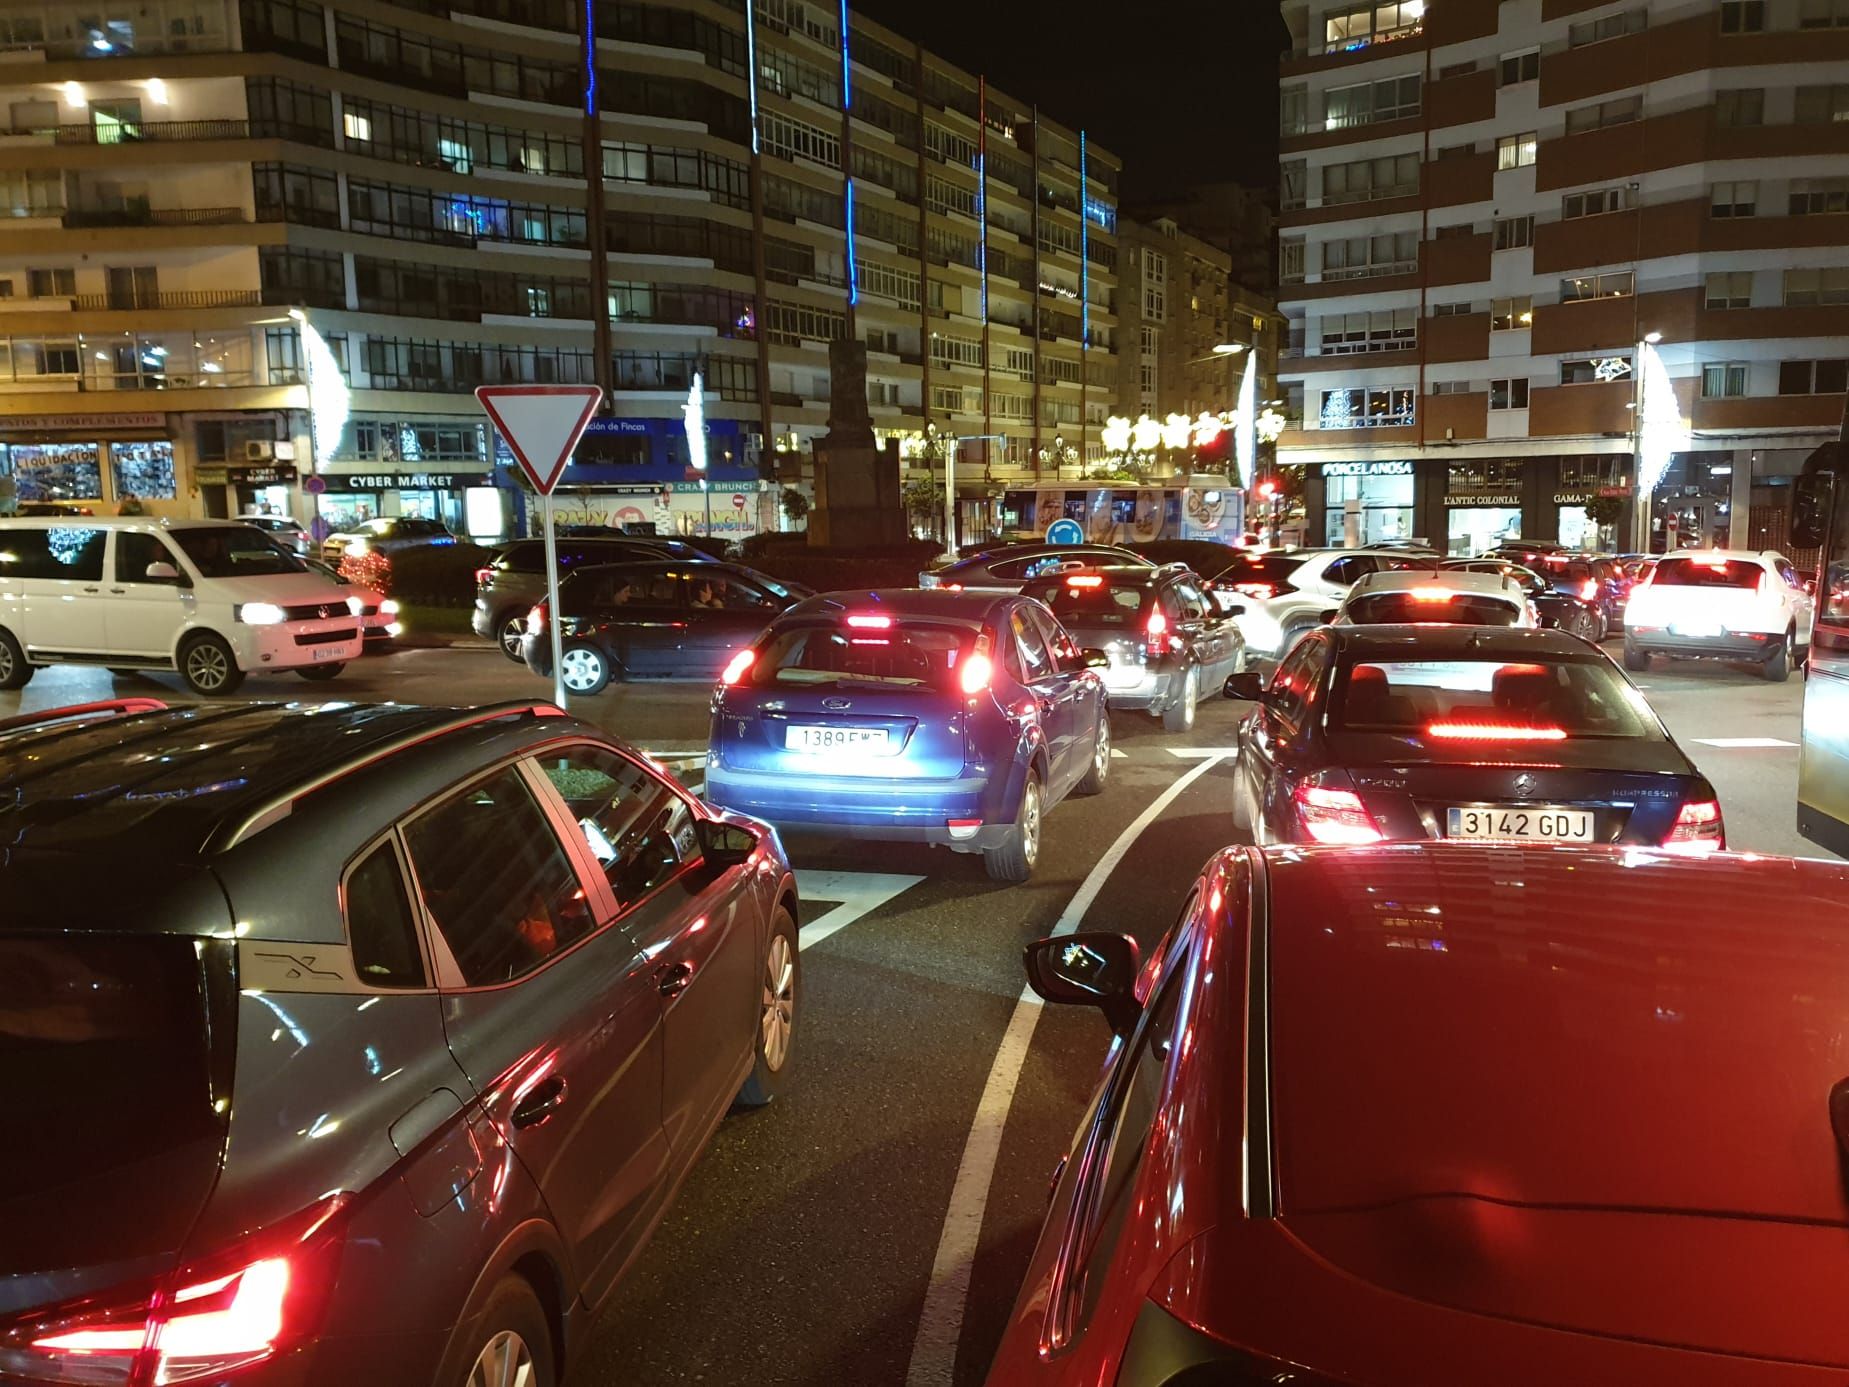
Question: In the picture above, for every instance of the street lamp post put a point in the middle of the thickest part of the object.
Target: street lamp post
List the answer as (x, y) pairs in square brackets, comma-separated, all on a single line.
[(1643, 502)]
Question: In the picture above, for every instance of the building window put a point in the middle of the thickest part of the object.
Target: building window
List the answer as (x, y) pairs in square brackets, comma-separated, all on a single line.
[(1723, 380), (1610, 27), (1805, 288), (1730, 289), (1366, 180), (51, 284), (1293, 109), (358, 128), (1383, 330), (1456, 151), (1293, 184), (955, 351), (1347, 29), (1593, 204), (1812, 196), (1740, 106), (1290, 260), (1451, 310), (887, 282), (1155, 286), (1519, 67), (1743, 16), (1508, 394), (1610, 284), (795, 139), (1394, 98), (1823, 14), (1595, 369), (1515, 151), (1514, 232), (1600, 114), (1511, 314), (1366, 409), (1813, 377), (1736, 199), (1822, 105), (1363, 257), (1450, 387)]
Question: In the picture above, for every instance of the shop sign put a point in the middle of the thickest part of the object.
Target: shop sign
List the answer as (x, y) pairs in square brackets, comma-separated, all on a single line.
[(86, 421), (1484, 498), (1399, 467), (1572, 498), (347, 483), (268, 474), (210, 476)]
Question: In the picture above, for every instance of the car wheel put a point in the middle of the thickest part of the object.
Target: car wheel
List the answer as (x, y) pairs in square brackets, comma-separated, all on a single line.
[(508, 635), (1100, 769), (1635, 660), (779, 991), (315, 674), (1590, 627), (208, 666), (1014, 859), (512, 1345), (1777, 667), (583, 669), (1179, 715), (14, 671)]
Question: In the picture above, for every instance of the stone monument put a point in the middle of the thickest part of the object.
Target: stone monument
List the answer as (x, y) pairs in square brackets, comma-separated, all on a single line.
[(857, 503)]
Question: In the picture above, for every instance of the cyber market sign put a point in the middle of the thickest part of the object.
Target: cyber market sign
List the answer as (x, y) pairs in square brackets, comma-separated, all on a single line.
[(1397, 467)]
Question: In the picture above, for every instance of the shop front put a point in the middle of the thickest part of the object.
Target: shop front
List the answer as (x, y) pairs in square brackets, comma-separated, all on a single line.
[(1589, 500), (1368, 502), (467, 502), (1483, 504), (95, 462)]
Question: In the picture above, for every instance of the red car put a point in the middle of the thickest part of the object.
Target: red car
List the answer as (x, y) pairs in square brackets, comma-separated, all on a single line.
[(1431, 1114)]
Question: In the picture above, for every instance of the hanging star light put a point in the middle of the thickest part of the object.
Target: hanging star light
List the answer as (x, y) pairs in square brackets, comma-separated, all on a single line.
[(1271, 426), (1207, 428), (1116, 435), (1176, 430), (1145, 434)]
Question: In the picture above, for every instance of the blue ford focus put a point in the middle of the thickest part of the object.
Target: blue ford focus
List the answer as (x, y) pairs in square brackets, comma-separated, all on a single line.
[(954, 718)]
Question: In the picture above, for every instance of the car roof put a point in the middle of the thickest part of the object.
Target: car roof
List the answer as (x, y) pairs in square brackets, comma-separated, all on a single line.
[(1407, 579), (1724, 555), (1023, 551), (973, 607), (1386, 642), (1580, 1028), (124, 522)]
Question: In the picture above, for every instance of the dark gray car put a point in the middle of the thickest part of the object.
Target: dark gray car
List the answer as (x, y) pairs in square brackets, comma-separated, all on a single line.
[(1010, 567), (359, 1044), (514, 582)]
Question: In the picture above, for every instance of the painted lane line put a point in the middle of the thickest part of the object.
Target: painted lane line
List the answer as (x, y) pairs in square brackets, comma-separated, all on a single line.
[(1119, 754), (940, 1324), (859, 893), (1188, 753), (1741, 743)]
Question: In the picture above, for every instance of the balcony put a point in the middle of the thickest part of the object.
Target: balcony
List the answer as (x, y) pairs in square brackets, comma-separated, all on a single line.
[(81, 217), (137, 132), (182, 298)]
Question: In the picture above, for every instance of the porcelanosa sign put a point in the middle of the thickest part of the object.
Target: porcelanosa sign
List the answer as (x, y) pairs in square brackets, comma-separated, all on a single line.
[(1401, 467)]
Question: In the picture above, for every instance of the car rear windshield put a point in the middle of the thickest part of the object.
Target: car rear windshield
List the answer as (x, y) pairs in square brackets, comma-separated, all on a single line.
[(1477, 699), (105, 1046), (234, 551), (1456, 609), (1092, 604), (905, 654), (1262, 568), (1706, 573)]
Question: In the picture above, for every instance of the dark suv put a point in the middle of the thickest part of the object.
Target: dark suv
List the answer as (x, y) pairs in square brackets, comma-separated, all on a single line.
[(514, 581), (378, 1045), (1166, 638)]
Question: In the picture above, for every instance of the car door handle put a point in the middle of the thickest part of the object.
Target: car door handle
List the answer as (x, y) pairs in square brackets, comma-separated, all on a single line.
[(540, 1103), (672, 978), (118, 591), (92, 589)]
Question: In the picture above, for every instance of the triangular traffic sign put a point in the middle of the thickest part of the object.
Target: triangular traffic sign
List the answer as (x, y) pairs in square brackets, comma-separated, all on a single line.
[(541, 423)]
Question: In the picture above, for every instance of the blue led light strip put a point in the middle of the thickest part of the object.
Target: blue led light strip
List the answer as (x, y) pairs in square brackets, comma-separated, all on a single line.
[(847, 101), (590, 61), (751, 58), (982, 229), (1084, 252)]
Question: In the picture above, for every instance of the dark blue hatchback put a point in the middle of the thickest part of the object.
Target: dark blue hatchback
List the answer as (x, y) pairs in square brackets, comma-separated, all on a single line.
[(954, 718)]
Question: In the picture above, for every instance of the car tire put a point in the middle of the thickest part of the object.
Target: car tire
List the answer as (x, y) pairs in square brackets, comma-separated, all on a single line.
[(583, 668), (509, 628), (508, 1341), (1179, 715), (1635, 660), (779, 999), (1590, 627), (1100, 769), (14, 671), (1777, 666), (1014, 860), (208, 666), (316, 674)]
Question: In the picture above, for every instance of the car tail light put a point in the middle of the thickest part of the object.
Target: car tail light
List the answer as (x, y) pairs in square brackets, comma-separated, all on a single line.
[(1085, 580), (1434, 594), (1262, 591), (1698, 829), (1589, 589), (210, 1318), (976, 673), (536, 620), (736, 666), (482, 575), (869, 622), (1332, 814), (1462, 731), (952, 587)]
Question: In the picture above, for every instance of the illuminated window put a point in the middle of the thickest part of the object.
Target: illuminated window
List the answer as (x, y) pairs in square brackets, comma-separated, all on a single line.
[(1515, 151), (356, 126), (1511, 314)]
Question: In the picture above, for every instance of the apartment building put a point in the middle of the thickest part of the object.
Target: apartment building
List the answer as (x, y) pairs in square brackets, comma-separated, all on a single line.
[(258, 252), (1488, 208)]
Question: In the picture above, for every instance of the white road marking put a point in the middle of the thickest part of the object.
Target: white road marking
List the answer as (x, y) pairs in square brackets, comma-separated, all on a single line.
[(1188, 753), (1119, 754), (1741, 743), (857, 892), (940, 1325)]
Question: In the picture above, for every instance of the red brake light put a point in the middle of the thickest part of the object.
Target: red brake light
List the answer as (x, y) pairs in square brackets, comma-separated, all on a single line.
[(1261, 591), (1157, 624), (482, 575), (1332, 815), (870, 622), (1085, 580), (952, 587), (976, 672), (1698, 829), (1493, 732), (1434, 594), (735, 667)]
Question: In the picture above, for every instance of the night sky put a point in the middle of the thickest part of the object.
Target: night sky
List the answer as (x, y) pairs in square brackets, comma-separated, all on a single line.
[(1184, 91)]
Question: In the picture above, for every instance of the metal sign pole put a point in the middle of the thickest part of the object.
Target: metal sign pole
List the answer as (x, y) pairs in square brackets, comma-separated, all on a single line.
[(556, 618)]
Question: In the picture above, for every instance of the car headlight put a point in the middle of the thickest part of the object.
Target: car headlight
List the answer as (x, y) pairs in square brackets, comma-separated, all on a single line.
[(357, 546), (261, 613), (388, 607), (1259, 630), (356, 607)]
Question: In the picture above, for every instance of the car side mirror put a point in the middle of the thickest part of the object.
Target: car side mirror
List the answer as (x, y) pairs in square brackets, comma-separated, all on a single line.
[(1090, 969), (1095, 658), (725, 845), (162, 572), (1247, 685)]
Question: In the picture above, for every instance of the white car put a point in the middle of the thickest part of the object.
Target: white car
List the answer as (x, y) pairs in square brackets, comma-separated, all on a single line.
[(1448, 598), (385, 535), (1720, 604), (286, 530), (212, 599), (378, 613), (1299, 591)]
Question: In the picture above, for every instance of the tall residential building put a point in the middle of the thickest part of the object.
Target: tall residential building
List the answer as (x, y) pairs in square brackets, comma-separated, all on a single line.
[(1180, 301), (421, 184), (1485, 210)]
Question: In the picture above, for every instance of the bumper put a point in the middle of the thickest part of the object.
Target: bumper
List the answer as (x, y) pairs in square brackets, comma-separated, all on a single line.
[(883, 809), (1138, 690), (537, 652), (1728, 645), (481, 620), (296, 644)]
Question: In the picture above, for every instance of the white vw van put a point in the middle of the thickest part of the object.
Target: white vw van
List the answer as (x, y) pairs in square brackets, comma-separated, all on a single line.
[(212, 599)]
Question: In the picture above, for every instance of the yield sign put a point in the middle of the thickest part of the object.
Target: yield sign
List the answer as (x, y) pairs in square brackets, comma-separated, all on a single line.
[(541, 423)]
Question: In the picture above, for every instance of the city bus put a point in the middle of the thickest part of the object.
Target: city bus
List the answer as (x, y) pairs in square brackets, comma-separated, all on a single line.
[(1820, 519), (1123, 512)]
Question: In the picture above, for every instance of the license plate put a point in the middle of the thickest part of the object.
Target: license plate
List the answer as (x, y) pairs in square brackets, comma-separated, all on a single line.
[(327, 652), (1695, 628), (806, 738), (1537, 823)]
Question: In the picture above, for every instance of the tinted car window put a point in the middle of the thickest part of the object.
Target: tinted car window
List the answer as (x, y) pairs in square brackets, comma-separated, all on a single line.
[(721, 591), (623, 587), (1579, 698), (53, 551), (1090, 604), (104, 1041), (1058, 640), (1348, 570), (527, 557), (496, 880), (1706, 573), (134, 552), (234, 551), (1296, 680), (1032, 660), (906, 654), (1194, 604), (1460, 609), (639, 830), (380, 927)]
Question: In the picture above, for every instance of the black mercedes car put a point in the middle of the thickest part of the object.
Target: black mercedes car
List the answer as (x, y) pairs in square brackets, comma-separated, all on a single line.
[(508, 586), (653, 620), (1368, 734)]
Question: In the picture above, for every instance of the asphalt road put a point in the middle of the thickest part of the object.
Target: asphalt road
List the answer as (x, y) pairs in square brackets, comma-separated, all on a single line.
[(806, 1246)]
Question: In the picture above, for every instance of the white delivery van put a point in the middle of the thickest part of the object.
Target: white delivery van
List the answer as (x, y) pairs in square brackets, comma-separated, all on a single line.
[(213, 599)]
